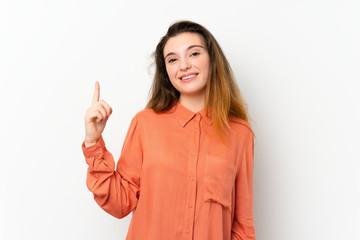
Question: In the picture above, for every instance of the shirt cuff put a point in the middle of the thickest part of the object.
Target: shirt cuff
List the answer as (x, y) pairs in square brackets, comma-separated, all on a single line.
[(94, 150)]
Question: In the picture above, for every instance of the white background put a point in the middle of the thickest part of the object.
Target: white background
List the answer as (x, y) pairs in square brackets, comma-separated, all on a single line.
[(297, 65)]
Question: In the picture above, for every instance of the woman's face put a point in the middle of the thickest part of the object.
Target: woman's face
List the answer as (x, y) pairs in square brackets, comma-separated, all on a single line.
[(187, 63)]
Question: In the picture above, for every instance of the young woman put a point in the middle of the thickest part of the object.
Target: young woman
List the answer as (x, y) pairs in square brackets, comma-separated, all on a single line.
[(186, 165)]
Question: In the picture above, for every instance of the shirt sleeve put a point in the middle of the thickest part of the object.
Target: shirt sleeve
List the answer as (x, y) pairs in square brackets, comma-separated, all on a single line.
[(115, 190), (243, 224)]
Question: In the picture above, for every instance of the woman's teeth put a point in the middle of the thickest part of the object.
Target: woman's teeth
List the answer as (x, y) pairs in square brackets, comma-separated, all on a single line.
[(187, 77)]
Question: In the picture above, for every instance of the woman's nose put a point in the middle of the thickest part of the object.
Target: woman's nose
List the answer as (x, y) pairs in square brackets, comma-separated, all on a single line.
[(184, 64)]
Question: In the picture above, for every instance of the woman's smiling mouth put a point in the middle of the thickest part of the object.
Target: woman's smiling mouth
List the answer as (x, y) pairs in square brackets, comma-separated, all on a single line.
[(188, 77)]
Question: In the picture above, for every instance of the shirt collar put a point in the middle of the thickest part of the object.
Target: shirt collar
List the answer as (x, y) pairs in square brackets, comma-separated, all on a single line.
[(184, 115)]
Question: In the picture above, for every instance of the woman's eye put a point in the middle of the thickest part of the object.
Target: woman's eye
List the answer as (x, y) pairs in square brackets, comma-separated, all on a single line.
[(171, 60), (195, 53)]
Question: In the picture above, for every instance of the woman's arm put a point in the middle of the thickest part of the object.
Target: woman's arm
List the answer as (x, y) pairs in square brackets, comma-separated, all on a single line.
[(243, 225), (115, 191)]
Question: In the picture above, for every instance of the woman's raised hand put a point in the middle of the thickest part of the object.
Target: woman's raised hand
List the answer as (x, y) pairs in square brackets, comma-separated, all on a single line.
[(96, 117)]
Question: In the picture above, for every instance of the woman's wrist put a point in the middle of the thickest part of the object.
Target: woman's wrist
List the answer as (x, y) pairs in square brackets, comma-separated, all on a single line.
[(90, 143)]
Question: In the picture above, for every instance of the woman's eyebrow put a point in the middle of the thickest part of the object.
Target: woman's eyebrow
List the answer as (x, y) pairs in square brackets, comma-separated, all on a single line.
[(190, 47)]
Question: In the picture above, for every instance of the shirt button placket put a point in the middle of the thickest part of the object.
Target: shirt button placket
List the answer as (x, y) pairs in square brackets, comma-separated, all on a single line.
[(192, 170)]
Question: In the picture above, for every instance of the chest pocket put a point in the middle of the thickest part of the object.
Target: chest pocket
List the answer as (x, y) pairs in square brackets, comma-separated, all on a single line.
[(219, 180)]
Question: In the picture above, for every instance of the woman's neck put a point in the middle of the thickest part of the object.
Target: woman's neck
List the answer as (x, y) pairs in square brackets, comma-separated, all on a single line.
[(193, 103)]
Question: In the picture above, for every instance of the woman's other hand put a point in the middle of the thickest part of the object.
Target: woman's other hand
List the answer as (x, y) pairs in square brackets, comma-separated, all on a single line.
[(96, 117)]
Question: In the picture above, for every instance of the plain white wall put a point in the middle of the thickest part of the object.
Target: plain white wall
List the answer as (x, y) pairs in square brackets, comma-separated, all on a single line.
[(297, 64)]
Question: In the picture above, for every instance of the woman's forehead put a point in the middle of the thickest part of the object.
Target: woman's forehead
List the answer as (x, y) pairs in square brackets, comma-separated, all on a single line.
[(182, 41)]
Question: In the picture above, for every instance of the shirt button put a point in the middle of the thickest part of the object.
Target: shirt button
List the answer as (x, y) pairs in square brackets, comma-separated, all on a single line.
[(191, 178), (188, 231), (196, 130), (190, 206), (194, 153)]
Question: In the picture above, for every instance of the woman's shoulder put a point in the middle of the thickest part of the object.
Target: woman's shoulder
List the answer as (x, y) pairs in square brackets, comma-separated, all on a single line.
[(239, 124), (147, 114), (144, 113)]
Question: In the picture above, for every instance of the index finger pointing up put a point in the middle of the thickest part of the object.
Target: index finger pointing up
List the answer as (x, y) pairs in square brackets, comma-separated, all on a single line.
[(96, 93)]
